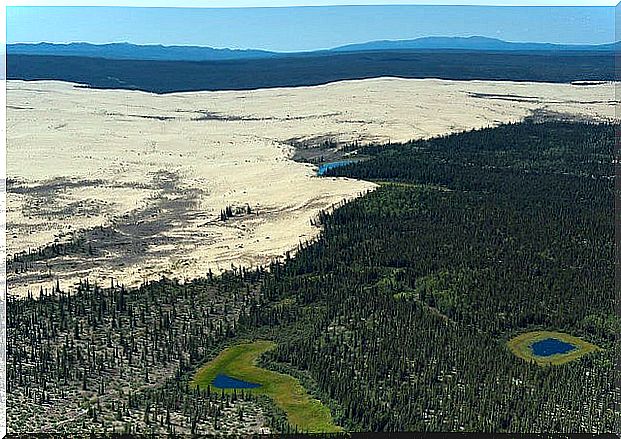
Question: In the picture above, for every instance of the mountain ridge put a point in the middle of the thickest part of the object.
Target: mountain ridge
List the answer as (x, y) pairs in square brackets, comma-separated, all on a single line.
[(124, 50), (158, 52), (470, 43)]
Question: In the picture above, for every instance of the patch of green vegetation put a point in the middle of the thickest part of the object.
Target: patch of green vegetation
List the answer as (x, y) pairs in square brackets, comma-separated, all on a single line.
[(445, 291), (521, 347), (239, 362), (605, 326), (411, 185), (405, 295), (391, 282)]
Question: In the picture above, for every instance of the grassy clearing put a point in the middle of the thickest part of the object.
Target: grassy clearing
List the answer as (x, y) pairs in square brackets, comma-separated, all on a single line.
[(521, 347), (239, 362)]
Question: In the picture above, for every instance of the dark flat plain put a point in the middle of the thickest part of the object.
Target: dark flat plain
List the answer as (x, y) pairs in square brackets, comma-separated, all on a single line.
[(176, 76)]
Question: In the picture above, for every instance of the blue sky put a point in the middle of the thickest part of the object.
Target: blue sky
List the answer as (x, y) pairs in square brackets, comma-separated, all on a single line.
[(306, 28)]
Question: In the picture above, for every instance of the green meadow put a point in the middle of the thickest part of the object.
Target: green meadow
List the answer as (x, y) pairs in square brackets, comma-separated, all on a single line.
[(239, 362), (521, 347)]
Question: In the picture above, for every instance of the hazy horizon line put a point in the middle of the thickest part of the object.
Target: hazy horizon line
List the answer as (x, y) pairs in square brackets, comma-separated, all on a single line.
[(308, 50)]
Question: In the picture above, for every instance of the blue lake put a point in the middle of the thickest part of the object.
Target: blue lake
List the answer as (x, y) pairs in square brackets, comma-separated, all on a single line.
[(551, 346), (226, 382), (323, 168)]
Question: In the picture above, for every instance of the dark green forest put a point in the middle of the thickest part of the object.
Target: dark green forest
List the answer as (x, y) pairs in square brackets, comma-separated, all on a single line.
[(397, 317), (401, 311), (313, 69)]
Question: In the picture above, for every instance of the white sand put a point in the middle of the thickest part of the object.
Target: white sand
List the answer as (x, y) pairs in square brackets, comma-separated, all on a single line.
[(84, 158)]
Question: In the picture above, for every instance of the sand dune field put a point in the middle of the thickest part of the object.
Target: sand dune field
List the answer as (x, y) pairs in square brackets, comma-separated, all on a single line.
[(130, 185)]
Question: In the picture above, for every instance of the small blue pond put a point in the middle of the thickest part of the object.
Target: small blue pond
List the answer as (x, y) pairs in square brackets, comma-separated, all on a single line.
[(551, 346), (326, 166), (226, 382)]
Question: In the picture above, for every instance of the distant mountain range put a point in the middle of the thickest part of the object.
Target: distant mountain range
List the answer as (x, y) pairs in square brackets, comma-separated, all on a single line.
[(198, 53), (137, 52), (470, 44)]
